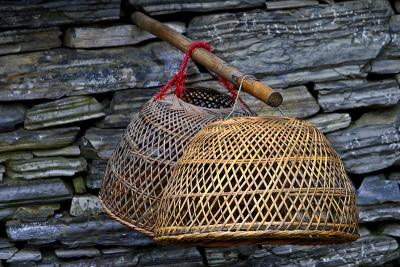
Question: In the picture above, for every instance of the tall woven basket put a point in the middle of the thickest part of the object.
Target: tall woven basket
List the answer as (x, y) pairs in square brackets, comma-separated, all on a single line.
[(143, 160), (273, 180)]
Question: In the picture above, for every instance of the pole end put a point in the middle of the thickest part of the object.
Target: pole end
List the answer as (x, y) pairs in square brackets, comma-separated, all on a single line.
[(275, 99)]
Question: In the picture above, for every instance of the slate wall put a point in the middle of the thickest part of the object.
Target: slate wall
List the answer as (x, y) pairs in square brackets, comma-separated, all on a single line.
[(72, 74)]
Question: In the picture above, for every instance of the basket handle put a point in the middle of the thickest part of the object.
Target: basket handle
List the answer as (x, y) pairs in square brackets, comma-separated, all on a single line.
[(208, 59)]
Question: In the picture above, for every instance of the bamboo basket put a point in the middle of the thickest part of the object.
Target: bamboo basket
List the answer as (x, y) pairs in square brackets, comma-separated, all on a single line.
[(274, 180), (143, 160)]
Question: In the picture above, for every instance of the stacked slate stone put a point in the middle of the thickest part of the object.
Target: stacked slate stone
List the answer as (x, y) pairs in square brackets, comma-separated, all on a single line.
[(73, 74)]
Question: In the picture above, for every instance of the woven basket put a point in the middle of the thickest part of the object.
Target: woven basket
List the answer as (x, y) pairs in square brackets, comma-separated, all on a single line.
[(272, 180), (143, 160)]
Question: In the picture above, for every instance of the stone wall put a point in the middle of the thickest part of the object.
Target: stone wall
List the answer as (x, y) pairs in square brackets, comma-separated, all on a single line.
[(72, 75)]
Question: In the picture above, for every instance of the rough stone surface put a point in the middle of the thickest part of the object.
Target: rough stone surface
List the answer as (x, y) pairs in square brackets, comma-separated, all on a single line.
[(56, 12), (59, 72), (17, 41), (45, 167), (15, 155), (375, 190), (379, 213), (385, 66), (11, 115), (372, 143), (184, 257), (391, 229), (8, 252), (156, 7), (103, 141), (371, 250), (77, 252), (41, 139), (29, 192), (357, 93), (96, 171), (64, 151), (277, 42), (86, 37), (86, 205), (79, 185), (290, 4), (298, 102), (63, 111), (26, 254), (77, 232), (331, 122), (2, 170), (35, 213)]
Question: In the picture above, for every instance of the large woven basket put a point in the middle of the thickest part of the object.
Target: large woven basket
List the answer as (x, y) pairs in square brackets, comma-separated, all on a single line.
[(272, 180), (143, 160)]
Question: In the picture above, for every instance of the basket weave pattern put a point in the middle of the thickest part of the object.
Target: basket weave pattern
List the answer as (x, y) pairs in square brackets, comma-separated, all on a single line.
[(254, 179), (143, 160)]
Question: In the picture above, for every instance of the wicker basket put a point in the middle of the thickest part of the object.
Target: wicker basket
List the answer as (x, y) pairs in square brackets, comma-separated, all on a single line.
[(143, 160), (272, 180)]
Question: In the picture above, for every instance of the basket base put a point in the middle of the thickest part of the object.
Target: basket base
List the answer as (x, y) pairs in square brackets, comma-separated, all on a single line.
[(295, 237), (130, 225)]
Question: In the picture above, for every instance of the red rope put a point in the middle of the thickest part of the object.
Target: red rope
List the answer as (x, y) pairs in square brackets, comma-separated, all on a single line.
[(180, 76)]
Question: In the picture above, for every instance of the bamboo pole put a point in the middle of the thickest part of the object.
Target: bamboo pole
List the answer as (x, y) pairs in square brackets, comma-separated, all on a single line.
[(208, 60)]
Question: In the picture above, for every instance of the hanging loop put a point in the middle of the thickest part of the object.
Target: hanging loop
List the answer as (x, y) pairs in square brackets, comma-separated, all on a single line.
[(180, 77)]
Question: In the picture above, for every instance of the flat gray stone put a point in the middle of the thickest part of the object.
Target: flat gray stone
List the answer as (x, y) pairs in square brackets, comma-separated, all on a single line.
[(85, 206), (297, 102), (319, 74), (2, 170), (33, 192), (24, 40), (395, 24), (32, 13), (54, 73), (397, 6), (375, 190), (96, 171), (268, 43), (5, 243), (77, 252), (171, 257), (26, 254), (119, 35), (391, 229), (115, 250), (394, 176), (372, 250), (63, 111), (290, 4), (156, 7), (11, 114), (379, 213), (77, 232), (357, 93), (45, 167), (40, 139), (331, 122), (102, 141), (372, 143), (64, 151), (385, 66), (6, 213), (15, 155), (37, 213), (8, 252)]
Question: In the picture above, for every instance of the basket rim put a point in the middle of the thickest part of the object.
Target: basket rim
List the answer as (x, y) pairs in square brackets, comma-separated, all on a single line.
[(269, 237), (240, 107), (126, 223)]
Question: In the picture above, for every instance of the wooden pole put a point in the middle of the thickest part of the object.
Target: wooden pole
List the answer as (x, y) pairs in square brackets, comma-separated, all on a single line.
[(208, 60)]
